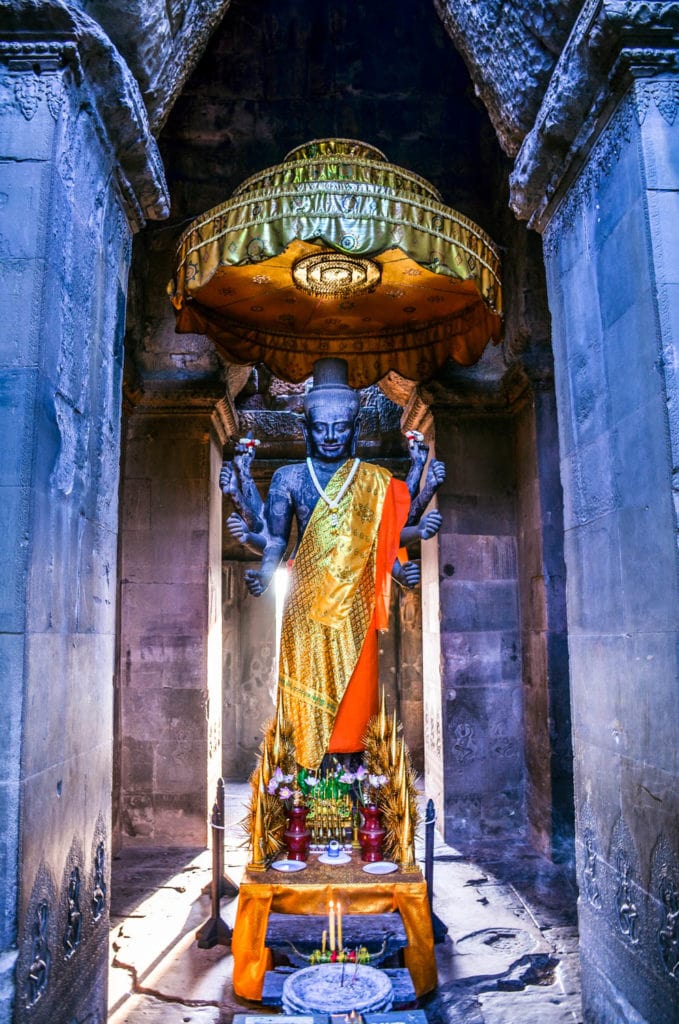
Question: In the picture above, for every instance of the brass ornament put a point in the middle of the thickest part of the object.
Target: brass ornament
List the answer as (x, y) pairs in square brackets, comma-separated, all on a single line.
[(335, 275)]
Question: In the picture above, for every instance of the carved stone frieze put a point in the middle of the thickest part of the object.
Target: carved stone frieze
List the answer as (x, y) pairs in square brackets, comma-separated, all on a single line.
[(664, 95), (602, 158), (64, 36), (611, 45)]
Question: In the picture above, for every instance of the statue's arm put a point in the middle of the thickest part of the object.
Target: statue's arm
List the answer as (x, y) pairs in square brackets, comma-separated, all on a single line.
[(278, 513), (236, 481), (428, 526), (238, 528), (418, 452), (252, 499), (436, 474)]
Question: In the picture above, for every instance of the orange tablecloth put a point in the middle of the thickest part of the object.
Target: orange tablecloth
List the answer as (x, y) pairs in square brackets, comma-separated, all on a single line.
[(309, 892)]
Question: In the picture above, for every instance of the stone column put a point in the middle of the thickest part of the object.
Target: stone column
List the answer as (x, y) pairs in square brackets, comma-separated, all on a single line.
[(544, 640), (608, 213), (78, 171), (170, 621)]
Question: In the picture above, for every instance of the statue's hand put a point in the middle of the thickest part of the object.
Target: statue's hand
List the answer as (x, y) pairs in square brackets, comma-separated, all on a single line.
[(238, 528), (243, 457), (436, 473), (418, 451), (256, 581), (430, 524), (406, 573), (228, 480), (410, 574)]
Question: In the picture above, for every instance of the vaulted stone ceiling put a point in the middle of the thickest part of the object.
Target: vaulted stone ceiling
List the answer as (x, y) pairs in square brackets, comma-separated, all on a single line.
[(510, 48), (232, 87)]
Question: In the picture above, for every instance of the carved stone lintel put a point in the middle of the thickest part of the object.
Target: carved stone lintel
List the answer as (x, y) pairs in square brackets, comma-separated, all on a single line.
[(612, 44), (66, 39), (225, 419)]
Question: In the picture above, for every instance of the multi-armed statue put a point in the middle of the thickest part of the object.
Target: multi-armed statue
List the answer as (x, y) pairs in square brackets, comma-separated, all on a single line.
[(352, 518)]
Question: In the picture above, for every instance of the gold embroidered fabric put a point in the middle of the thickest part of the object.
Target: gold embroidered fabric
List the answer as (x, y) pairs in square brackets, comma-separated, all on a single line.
[(329, 607), (439, 292), (309, 892)]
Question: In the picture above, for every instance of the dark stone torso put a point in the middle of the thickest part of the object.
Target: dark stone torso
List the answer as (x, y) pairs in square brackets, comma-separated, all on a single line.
[(292, 493)]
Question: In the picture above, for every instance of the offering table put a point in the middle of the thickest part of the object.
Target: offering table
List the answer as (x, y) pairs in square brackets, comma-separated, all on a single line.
[(309, 892)]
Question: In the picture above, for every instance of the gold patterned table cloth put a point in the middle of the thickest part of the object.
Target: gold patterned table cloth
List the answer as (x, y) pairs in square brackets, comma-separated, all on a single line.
[(309, 892)]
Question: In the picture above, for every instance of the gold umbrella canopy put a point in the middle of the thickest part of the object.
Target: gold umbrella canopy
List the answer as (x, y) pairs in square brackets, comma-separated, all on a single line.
[(336, 252)]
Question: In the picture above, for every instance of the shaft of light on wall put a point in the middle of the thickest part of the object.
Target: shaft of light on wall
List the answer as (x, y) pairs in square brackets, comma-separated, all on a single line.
[(280, 584)]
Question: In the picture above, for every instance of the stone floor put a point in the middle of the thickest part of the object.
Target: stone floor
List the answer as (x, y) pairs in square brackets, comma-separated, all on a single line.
[(510, 956)]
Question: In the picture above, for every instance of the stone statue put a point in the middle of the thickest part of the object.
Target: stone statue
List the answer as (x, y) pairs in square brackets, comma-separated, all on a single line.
[(352, 517)]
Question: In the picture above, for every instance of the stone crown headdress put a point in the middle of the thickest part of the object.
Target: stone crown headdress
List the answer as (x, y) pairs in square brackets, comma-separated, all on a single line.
[(330, 382)]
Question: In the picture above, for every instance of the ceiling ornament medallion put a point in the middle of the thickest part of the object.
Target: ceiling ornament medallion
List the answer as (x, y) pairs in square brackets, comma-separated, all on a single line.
[(335, 251), (335, 275)]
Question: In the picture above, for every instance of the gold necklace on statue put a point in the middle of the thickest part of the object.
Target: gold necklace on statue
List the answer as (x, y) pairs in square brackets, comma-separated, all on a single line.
[(333, 503)]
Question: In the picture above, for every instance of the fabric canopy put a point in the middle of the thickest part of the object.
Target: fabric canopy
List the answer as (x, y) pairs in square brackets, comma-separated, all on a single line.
[(337, 252)]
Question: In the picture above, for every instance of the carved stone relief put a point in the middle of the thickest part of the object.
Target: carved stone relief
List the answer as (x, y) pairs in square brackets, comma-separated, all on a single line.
[(74, 920), (665, 889), (591, 879), (99, 901), (625, 862), (34, 74), (590, 871), (664, 94), (71, 899), (38, 943)]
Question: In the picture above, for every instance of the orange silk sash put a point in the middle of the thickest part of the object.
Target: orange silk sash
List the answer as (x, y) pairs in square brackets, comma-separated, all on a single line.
[(361, 699), (251, 958)]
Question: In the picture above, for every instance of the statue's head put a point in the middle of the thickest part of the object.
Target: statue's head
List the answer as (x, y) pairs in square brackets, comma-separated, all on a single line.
[(331, 411)]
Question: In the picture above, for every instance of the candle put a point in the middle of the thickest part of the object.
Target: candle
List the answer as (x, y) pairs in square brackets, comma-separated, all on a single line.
[(331, 925), (324, 940), (340, 944)]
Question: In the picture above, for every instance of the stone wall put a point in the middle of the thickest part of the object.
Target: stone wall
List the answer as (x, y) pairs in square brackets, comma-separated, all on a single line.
[(63, 262), (170, 625), (482, 750), (249, 671), (613, 266)]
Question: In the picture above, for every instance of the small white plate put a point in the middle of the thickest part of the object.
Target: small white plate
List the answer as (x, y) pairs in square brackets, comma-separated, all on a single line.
[(288, 865), (340, 858), (380, 867)]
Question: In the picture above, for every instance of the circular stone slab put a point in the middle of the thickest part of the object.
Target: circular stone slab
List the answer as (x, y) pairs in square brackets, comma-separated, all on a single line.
[(318, 989)]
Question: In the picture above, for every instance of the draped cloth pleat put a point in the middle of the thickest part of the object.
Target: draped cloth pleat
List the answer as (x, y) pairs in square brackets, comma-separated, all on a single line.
[(337, 598)]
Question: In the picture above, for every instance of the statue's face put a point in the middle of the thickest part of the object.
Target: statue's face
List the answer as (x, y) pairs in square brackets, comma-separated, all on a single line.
[(331, 426)]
